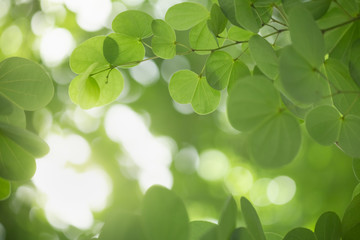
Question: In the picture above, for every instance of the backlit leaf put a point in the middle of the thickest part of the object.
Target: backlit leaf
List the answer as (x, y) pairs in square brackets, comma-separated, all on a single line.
[(206, 99), (182, 86), (228, 8), (25, 83), (239, 71), (227, 220), (163, 42), (354, 64), (218, 69), (201, 38), (241, 234), (184, 16), (133, 23), (199, 229), (239, 34), (356, 167)]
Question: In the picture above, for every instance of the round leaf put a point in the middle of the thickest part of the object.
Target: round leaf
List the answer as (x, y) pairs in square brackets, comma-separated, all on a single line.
[(199, 229), (88, 53), (201, 38), (5, 189), (227, 220), (300, 233), (218, 69), (251, 101), (252, 219), (133, 23), (184, 16), (239, 71), (25, 83), (354, 64), (217, 21), (277, 141), (246, 15), (299, 79), (206, 99), (164, 215), (123, 50), (349, 139), (15, 117), (182, 86), (328, 227), (110, 86), (228, 8), (306, 36), (351, 220), (164, 41), (239, 34), (85, 91), (323, 124), (264, 56)]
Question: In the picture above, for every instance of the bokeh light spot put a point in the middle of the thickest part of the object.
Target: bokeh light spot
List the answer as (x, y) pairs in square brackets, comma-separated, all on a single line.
[(214, 165), (239, 181), (281, 190)]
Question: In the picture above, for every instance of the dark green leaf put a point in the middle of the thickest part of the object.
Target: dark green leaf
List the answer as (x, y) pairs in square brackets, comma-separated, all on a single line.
[(199, 229), (218, 69), (354, 64), (227, 220), (300, 234), (350, 6), (133, 23), (252, 219), (356, 167), (217, 21), (246, 16), (5, 189), (164, 215), (15, 117), (351, 220), (228, 8), (239, 71), (273, 236), (184, 16), (328, 227), (349, 139), (241, 234), (25, 83), (317, 7)]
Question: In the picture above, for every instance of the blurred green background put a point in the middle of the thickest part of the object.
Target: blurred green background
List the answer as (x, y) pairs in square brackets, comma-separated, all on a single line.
[(105, 158)]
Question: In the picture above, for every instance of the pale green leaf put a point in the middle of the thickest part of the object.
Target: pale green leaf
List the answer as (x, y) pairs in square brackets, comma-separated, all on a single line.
[(351, 220), (5, 189), (306, 36), (300, 81), (201, 38), (205, 99), (25, 83), (246, 16), (251, 101), (300, 233), (277, 141), (252, 219), (218, 69), (133, 23), (12, 115), (328, 227), (227, 220), (164, 41), (164, 215), (349, 139), (264, 56), (89, 93), (16, 163), (123, 50), (182, 86), (184, 16), (110, 84), (88, 53), (239, 34), (350, 6), (323, 124)]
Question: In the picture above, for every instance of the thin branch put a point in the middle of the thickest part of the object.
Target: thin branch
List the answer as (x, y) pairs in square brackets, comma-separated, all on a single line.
[(340, 24)]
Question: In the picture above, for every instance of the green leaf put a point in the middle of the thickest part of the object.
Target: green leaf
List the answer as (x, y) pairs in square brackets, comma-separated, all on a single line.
[(206, 99), (241, 234), (184, 16), (111, 85), (252, 219), (25, 83), (88, 53), (246, 16), (133, 23), (16, 163), (349, 139), (300, 233), (199, 229), (25, 139), (164, 41), (217, 21), (264, 56), (6, 107), (273, 236), (187, 87), (317, 7), (343, 48), (85, 91), (354, 64), (122, 225), (201, 38), (328, 227), (277, 141), (239, 71), (218, 69), (339, 77), (5, 189), (356, 168), (227, 220), (356, 191), (351, 220), (14, 115), (306, 36), (228, 8), (323, 124), (300, 81), (164, 215), (350, 6), (123, 50), (251, 101), (239, 34)]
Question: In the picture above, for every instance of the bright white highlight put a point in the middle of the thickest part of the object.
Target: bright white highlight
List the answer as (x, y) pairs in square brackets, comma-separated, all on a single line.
[(55, 46), (11, 40), (170, 66), (214, 165), (146, 73), (40, 23), (258, 192), (281, 190), (132, 2), (4, 7), (239, 181), (85, 121), (70, 196), (151, 155), (92, 15)]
